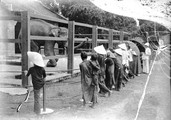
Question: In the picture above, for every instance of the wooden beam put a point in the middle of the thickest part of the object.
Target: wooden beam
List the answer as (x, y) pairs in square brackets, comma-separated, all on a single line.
[(83, 25), (25, 36), (110, 38), (48, 38), (102, 28), (12, 17), (94, 38), (71, 32), (10, 40), (121, 36)]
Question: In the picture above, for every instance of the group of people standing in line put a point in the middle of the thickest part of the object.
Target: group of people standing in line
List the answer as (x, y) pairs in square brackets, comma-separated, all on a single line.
[(104, 72), (108, 70)]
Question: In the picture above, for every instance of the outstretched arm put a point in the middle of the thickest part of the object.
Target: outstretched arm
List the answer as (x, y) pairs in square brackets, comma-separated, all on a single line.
[(82, 43)]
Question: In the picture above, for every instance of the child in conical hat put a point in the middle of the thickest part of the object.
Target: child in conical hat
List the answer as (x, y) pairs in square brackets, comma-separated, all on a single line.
[(38, 75)]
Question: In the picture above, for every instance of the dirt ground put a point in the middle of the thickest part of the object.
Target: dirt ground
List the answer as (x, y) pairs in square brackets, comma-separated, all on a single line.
[(64, 98)]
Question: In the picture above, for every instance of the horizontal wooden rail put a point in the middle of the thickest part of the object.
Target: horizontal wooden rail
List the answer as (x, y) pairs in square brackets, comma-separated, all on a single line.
[(83, 34), (102, 28), (83, 25), (103, 34), (11, 17), (127, 33), (102, 40), (115, 31), (81, 39), (77, 40), (10, 40), (84, 49), (32, 37)]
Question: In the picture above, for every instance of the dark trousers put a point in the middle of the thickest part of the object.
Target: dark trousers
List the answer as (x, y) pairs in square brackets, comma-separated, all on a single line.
[(119, 78)]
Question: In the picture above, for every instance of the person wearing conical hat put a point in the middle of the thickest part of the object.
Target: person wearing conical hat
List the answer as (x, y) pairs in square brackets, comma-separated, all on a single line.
[(110, 79), (118, 69), (38, 75), (101, 52)]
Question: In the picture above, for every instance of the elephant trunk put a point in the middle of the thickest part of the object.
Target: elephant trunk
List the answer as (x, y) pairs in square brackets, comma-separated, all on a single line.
[(49, 51)]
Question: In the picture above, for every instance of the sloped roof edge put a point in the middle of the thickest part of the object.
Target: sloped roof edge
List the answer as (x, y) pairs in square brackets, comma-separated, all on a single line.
[(34, 7)]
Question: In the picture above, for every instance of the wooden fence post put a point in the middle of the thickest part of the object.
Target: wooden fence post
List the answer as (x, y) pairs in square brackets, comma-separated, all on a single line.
[(25, 44), (121, 36), (147, 35), (110, 38), (71, 32), (94, 38)]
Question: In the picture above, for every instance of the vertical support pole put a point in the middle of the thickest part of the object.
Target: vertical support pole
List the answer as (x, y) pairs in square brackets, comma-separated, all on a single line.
[(71, 32), (110, 38), (147, 36), (44, 97), (94, 38), (121, 36), (25, 44)]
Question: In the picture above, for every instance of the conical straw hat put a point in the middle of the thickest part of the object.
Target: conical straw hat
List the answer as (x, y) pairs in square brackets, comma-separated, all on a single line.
[(118, 51), (100, 49), (123, 46), (111, 55), (36, 58)]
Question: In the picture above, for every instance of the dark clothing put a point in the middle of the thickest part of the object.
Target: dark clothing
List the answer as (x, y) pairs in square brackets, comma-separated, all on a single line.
[(109, 80), (38, 74), (119, 78), (86, 81), (101, 81), (101, 61), (118, 71), (95, 72), (136, 65)]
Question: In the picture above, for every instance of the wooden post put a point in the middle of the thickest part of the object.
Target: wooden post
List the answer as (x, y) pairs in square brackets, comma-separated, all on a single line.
[(121, 36), (147, 36), (110, 38), (94, 38), (71, 32), (44, 97), (25, 44)]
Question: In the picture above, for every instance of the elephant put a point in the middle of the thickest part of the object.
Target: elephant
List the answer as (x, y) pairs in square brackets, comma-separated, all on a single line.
[(40, 27)]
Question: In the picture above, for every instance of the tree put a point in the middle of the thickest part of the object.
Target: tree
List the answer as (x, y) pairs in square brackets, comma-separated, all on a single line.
[(85, 12)]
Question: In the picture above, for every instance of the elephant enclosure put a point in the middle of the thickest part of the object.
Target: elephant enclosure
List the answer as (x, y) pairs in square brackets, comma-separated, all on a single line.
[(90, 35)]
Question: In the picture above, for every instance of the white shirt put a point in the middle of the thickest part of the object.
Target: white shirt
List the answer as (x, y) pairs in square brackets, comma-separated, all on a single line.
[(148, 51), (125, 58), (130, 55)]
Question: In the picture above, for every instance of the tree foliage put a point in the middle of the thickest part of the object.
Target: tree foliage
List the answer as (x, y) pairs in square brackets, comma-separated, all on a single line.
[(85, 12)]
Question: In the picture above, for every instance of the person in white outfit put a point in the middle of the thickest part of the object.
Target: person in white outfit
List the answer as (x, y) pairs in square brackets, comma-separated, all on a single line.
[(146, 59)]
